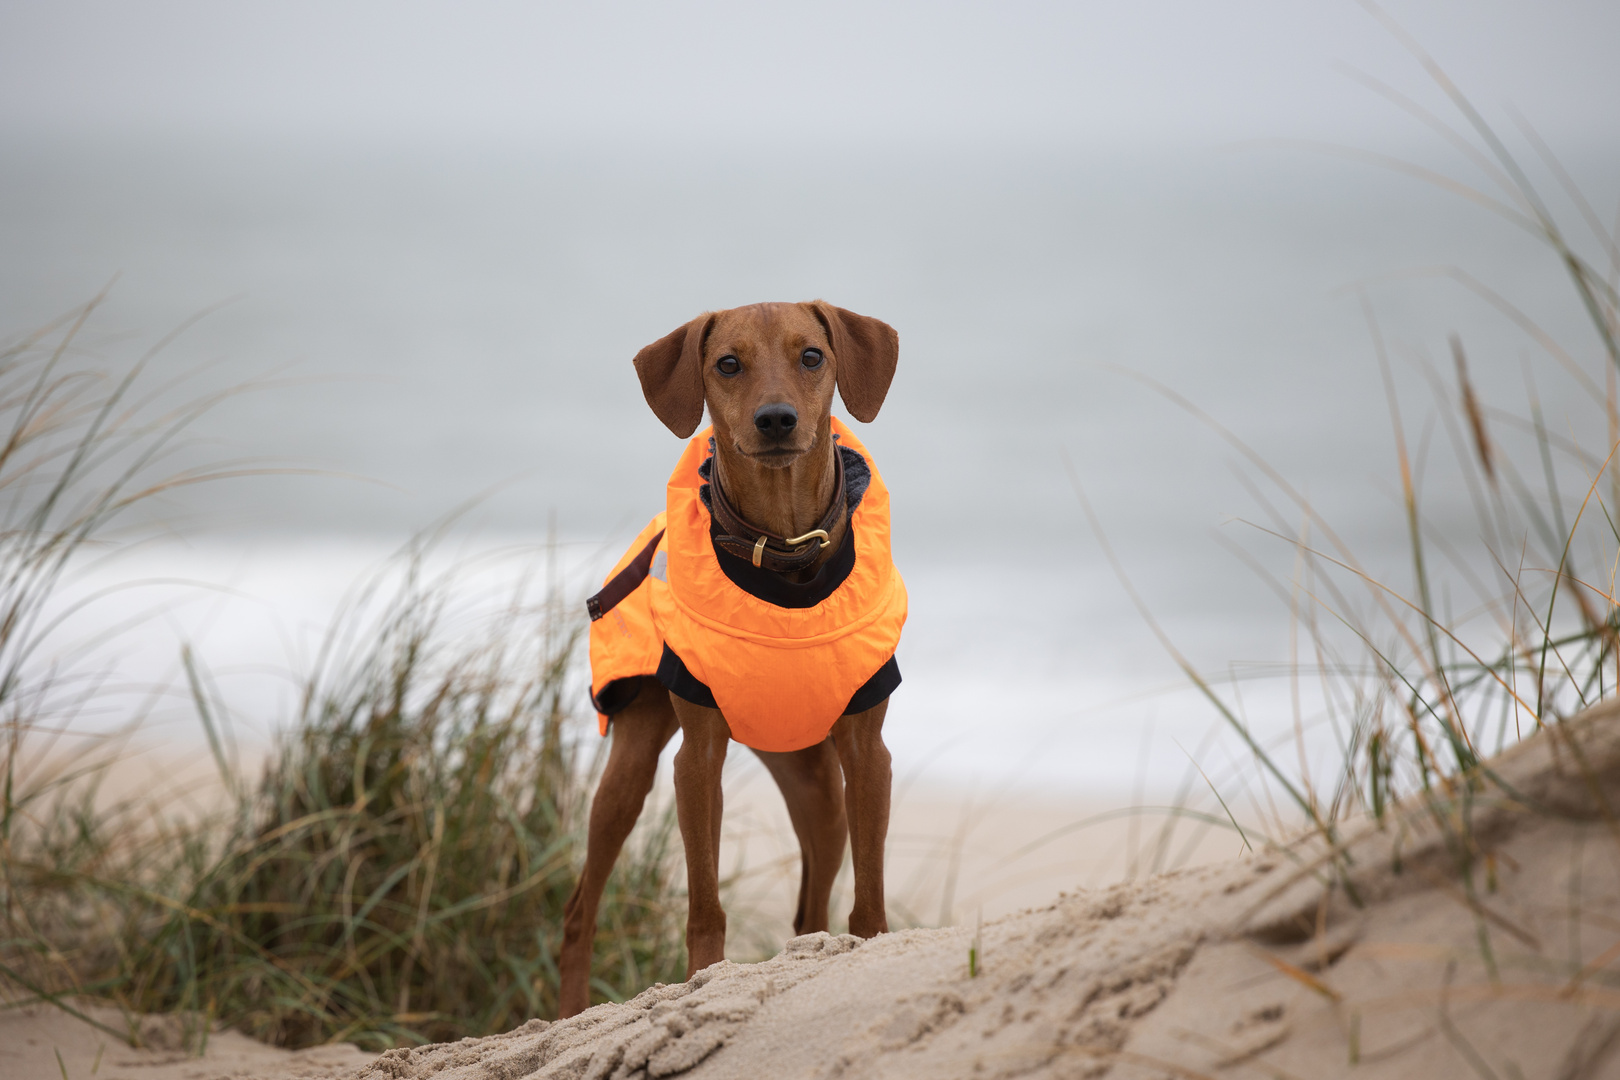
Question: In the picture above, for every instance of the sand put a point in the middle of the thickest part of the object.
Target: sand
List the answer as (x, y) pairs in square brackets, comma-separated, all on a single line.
[(955, 853), (1400, 964), (43, 1043)]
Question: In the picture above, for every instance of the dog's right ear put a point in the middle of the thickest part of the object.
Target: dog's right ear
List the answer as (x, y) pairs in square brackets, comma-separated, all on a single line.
[(671, 373)]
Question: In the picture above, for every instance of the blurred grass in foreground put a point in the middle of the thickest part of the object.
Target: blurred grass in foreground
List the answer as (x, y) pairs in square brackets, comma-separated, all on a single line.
[(396, 875), (1503, 628)]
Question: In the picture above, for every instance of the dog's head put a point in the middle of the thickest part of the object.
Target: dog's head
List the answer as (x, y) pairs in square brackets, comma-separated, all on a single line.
[(767, 372)]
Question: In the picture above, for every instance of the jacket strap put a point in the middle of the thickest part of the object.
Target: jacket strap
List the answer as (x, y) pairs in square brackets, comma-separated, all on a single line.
[(624, 582)]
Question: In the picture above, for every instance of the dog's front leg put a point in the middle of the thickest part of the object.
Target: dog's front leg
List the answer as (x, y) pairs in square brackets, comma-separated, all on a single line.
[(639, 735), (704, 738), (867, 776)]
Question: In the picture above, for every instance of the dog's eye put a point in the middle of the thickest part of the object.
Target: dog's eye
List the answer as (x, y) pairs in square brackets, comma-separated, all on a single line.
[(728, 365), (810, 358)]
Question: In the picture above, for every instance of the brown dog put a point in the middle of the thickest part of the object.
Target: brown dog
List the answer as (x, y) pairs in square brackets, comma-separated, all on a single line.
[(767, 374)]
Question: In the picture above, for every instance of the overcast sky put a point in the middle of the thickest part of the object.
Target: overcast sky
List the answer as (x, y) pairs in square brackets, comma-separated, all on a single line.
[(1077, 73)]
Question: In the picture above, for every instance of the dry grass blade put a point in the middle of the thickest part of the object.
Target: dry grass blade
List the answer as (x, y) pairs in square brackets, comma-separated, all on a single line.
[(1298, 974), (1601, 961), (1471, 409)]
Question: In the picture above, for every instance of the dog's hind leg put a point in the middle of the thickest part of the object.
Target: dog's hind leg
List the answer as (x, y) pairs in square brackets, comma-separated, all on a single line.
[(639, 734), (812, 784)]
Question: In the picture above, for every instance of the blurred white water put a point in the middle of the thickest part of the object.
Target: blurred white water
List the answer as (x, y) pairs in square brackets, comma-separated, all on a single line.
[(1017, 705)]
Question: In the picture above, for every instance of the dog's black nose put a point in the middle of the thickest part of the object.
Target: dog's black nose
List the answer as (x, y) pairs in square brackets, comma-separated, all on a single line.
[(777, 420)]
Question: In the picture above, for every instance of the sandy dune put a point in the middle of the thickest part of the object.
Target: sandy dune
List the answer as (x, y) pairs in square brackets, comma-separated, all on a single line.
[(1264, 966), (1474, 935)]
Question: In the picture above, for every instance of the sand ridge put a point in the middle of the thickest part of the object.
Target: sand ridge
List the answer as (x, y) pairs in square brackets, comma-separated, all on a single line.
[(1475, 932), (1472, 930)]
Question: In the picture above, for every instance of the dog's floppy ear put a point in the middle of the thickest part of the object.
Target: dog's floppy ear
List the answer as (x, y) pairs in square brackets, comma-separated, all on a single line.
[(866, 351), (671, 373)]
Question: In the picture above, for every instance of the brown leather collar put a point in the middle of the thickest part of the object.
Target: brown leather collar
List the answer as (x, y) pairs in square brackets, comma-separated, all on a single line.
[(784, 555)]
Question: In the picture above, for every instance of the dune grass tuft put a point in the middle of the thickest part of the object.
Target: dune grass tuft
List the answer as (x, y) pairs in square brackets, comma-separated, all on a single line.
[(395, 876), (399, 873)]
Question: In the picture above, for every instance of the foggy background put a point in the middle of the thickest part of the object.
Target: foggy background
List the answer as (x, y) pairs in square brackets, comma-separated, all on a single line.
[(453, 226)]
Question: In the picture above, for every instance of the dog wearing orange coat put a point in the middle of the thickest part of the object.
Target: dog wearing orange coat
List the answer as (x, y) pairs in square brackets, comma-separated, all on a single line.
[(762, 605)]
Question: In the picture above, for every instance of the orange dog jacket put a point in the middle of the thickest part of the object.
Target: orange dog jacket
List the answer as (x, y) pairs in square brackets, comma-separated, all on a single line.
[(781, 676)]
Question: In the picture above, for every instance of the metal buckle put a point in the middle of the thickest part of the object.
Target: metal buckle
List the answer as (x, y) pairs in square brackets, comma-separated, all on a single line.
[(792, 542), (813, 534)]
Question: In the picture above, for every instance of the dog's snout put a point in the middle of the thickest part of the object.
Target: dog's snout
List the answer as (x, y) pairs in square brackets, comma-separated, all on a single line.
[(776, 420)]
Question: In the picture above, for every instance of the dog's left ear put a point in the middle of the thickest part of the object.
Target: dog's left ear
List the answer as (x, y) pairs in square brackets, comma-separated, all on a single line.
[(866, 351)]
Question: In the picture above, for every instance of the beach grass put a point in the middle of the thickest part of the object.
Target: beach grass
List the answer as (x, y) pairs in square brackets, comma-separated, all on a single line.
[(1502, 627), (397, 873)]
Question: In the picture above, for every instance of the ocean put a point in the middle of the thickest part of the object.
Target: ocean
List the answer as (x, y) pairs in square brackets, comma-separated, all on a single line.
[(451, 325)]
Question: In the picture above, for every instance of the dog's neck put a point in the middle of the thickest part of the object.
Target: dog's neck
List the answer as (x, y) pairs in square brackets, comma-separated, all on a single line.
[(787, 501)]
